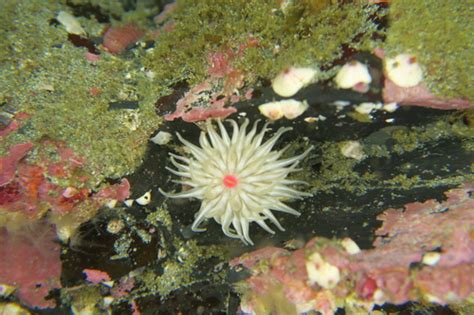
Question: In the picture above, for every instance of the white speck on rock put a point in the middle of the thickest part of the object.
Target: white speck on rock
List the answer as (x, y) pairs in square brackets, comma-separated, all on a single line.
[(162, 138)]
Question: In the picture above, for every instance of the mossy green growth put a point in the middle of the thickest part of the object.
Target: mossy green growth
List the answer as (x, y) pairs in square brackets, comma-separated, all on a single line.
[(83, 299), (438, 34), (162, 216), (179, 271), (339, 172), (298, 35), (67, 96)]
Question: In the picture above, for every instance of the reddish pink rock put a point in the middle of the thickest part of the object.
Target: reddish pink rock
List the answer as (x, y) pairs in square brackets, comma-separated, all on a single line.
[(220, 63), (260, 284), (30, 261), (395, 283), (448, 230), (34, 188), (9, 193), (96, 276), (14, 125), (420, 96), (199, 114), (384, 273), (447, 285), (92, 57), (365, 287), (118, 38), (118, 192), (124, 286), (203, 101), (8, 164), (250, 259), (187, 110)]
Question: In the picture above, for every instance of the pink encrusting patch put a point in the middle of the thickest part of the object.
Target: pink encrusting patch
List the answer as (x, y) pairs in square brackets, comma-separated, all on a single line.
[(230, 181)]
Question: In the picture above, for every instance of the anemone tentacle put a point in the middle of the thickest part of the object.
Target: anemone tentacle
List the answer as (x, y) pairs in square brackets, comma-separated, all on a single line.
[(259, 177)]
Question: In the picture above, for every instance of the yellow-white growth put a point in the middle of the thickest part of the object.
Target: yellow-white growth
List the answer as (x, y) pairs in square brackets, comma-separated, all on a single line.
[(350, 246), (321, 272), (144, 199), (351, 74), (288, 82), (162, 138), (404, 70), (290, 109), (238, 177), (352, 149), (69, 22), (431, 258)]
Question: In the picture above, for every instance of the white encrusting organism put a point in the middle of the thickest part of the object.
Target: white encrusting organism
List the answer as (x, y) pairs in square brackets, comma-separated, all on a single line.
[(288, 82), (238, 178), (404, 70), (354, 75)]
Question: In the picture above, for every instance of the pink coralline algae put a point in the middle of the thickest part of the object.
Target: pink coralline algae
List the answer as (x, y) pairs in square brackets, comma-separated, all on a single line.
[(35, 209), (209, 98), (32, 197), (420, 96), (30, 261), (437, 237), (92, 57), (30, 189), (8, 164), (118, 38), (443, 227), (123, 286), (164, 20), (119, 192), (189, 112), (96, 276), (14, 124)]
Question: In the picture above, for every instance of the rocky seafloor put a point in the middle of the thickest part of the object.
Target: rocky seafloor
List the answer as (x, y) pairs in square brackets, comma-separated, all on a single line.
[(94, 93)]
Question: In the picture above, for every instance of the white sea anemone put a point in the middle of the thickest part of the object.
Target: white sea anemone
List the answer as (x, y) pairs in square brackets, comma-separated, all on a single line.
[(238, 178)]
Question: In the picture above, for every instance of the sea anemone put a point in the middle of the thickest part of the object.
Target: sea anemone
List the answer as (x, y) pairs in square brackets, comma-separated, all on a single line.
[(238, 178)]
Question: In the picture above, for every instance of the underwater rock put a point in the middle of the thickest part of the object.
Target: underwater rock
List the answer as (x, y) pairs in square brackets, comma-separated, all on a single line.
[(323, 275)]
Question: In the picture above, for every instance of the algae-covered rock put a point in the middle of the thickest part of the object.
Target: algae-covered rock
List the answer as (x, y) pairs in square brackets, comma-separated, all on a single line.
[(291, 33), (66, 96), (437, 33)]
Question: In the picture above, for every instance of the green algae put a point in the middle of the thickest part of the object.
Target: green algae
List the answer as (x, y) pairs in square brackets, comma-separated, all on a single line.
[(179, 270), (407, 140), (295, 36), (340, 172), (68, 97), (160, 216), (83, 299), (437, 33), (336, 170), (114, 8), (122, 247), (178, 260)]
